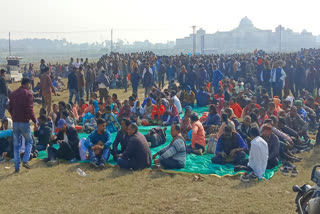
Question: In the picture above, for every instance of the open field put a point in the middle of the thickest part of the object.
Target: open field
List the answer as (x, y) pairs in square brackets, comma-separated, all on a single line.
[(61, 190)]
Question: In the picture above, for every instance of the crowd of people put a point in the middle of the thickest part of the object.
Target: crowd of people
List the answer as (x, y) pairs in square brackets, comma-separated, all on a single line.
[(258, 109)]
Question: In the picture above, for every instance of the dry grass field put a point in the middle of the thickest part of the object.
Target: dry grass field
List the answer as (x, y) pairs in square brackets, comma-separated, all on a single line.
[(61, 190)]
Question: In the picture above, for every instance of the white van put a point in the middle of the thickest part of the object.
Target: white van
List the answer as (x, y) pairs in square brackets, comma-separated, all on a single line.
[(13, 69)]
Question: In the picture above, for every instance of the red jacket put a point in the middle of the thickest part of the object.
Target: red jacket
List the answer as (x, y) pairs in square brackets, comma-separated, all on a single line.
[(237, 110), (21, 106), (157, 111)]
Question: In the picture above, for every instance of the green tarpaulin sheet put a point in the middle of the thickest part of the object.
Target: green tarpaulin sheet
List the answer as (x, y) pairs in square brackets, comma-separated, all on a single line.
[(194, 164)]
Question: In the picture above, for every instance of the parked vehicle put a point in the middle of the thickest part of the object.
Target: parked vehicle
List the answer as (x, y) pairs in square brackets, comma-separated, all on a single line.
[(308, 198), (13, 69)]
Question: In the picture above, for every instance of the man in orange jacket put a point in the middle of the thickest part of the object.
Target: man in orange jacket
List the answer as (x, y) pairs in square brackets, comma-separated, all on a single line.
[(158, 110)]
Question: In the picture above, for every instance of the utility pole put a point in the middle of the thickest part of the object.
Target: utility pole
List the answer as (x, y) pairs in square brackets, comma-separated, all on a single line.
[(280, 37), (111, 47), (9, 45), (194, 39)]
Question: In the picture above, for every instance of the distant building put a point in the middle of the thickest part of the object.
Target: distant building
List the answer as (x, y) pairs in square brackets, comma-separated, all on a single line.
[(246, 38)]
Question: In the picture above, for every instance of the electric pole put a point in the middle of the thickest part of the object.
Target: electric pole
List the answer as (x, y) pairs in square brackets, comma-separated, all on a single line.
[(280, 38), (194, 39), (9, 45), (111, 47)]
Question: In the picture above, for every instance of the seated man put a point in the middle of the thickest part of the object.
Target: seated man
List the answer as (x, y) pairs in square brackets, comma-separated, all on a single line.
[(68, 141), (212, 119), (188, 97), (112, 124), (174, 155), (202, 97), (121, 139), (237, 110), (258, 157), (43, 133), (295, 122), (273, 146), (231, 148), (176, 101), (148, 109), (137, 154), (98, 143), (244, 130), (198, 141)]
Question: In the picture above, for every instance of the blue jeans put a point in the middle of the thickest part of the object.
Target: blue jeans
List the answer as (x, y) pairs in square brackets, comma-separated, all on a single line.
[(123, 163), (3, 101), (21, 129), (99, 159), (171, 163), (73, 92)]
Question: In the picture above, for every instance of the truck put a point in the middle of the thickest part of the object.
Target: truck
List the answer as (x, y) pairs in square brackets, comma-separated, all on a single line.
[(13, 69)]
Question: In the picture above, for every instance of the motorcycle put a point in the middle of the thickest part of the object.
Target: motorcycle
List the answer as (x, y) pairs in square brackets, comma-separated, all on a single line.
[(308, 198)]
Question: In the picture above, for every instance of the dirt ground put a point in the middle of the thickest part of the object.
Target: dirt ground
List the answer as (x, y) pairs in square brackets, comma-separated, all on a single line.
[(61, 190)]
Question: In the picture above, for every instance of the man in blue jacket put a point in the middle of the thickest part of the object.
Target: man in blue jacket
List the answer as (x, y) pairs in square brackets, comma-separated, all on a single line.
[(98, 144), (217, 76)]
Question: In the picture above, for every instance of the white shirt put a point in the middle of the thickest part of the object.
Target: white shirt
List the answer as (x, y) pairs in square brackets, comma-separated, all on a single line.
[(77, 65), (258, 156), (177, 102)]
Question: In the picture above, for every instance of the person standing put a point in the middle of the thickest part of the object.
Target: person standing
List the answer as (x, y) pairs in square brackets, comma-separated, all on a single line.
[(277, 79), (81, 84), (90, 80), (103, 84), (21, 110), (3, 93), (125, 70), (217, 76), (162, 71), (135, 78), (46, 88), (72, 85), (147, 77), (31, 75)]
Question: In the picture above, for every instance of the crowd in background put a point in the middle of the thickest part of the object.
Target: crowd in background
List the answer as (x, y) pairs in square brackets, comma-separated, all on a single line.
[(260, 105)]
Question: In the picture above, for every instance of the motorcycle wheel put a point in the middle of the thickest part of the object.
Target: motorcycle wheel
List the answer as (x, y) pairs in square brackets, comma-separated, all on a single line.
[(304, 201)]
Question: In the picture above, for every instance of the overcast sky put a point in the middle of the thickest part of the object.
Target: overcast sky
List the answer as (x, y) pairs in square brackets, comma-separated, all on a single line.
[(157, 21)]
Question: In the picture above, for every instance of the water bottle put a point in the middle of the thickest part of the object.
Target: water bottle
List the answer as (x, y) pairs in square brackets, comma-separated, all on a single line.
[(81, 173)]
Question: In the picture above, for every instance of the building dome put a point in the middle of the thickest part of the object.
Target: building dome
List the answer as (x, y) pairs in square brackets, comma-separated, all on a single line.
[(245, 23)]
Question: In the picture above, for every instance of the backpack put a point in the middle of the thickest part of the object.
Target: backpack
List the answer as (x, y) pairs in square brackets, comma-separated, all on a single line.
[(157, 136)]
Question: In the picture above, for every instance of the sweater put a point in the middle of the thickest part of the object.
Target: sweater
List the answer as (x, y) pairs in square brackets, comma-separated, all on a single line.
[(137, 152), (176, 151)]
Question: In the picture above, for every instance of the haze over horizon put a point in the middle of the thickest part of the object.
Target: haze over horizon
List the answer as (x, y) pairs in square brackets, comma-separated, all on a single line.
[(159, 21)]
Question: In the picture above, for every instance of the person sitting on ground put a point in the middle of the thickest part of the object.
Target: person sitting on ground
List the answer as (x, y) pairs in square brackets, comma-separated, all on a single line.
[(235, 107), (262, 116), (244, 130), (112, 124), (157, 111), (230, 148), (198, 141), (6, 141), (125, 110), (212, 119), (225, 122), (186, 123), (43, 133), (68, 119), (98, 144), (174, 155), (68, 141), (273, 146), (53, 115), (171, 114), (272, 110), (137, 111), (295, 122), (232, 117), (188, 97), (62, 107), (258, 157), (202, 97), (146, 100), (176, 101), (121, 139), (137, 154), (148, 109)]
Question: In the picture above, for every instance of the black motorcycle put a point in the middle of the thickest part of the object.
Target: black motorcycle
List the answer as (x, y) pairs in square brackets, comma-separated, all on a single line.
[(308, 198)]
